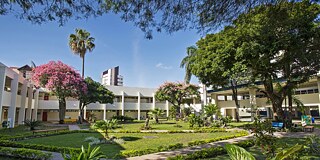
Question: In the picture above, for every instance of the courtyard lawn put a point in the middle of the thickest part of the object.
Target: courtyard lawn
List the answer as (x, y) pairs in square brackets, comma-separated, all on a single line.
[(163, 125), (23, 130), (133, 141)]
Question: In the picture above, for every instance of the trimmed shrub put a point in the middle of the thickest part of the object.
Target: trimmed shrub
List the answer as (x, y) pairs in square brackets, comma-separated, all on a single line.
[(25, 153)]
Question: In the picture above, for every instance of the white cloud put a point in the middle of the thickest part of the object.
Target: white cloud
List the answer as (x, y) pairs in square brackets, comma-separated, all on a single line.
[(162, 66)]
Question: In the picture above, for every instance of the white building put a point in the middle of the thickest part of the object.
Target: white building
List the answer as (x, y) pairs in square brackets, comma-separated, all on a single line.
[(19, 100), (111, 77)]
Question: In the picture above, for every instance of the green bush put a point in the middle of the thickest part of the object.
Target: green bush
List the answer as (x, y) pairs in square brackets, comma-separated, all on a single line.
[(32, 124), (6, 143), (25, 153)]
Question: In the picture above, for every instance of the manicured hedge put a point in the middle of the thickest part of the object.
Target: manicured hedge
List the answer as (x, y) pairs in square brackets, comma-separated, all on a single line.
[(131, 153), (210, 152), (25, 153), (6, 143)]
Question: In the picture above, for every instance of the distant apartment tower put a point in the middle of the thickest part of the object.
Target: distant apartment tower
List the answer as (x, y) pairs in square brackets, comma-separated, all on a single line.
[(111, 77)]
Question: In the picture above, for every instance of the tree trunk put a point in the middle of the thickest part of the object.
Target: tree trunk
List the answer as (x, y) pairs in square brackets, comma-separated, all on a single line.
[(106, 134), (62, 110), (235, 97), (157, 119), (289, 119), (83, 66)]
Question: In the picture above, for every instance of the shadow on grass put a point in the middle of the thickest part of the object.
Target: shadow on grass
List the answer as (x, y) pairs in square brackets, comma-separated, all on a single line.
[(130, 138)]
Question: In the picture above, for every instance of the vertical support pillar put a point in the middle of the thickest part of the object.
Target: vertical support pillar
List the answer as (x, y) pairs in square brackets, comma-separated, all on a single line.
[(85, 112), (35, 106), (153, 101), (23, 102), (30, 97), (12, 108), (253, 101), (104, 111), (2, 85), (122, 104), (204, 93), (214, 99), (167, 107), (268, 112), (139, 105), (223, 112), (234, 114)]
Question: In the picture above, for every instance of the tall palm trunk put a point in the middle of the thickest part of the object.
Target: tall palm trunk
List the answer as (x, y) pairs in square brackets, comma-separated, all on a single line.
[(83, 67)]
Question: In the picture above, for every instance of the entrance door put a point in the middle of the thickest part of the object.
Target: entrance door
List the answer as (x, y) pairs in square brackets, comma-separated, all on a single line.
[(44, 116)]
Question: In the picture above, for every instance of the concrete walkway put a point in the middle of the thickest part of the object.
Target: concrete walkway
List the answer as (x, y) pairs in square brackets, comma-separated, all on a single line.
[(189, 150), (74, 127)]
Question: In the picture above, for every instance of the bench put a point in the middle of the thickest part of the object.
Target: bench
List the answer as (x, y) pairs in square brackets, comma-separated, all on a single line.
[(67, 120), (49, 130), (277, 125), (308, 128)]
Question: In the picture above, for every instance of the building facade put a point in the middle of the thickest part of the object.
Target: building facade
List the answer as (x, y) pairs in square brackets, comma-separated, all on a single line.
[(20, 100), (112, 77), (307, 93)]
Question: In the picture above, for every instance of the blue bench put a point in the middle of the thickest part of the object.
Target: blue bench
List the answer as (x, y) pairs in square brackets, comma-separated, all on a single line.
[(277, 125)]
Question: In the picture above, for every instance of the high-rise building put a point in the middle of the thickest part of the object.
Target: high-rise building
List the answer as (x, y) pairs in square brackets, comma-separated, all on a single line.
[(111, 77)]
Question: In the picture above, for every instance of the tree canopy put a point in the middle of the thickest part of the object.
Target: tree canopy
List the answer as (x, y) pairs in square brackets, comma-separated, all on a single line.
[(62, 80), (153, 15), (276, 43), (176, 93)]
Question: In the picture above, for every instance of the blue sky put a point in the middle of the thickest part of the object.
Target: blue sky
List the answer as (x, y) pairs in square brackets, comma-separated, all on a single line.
[(143, 62)]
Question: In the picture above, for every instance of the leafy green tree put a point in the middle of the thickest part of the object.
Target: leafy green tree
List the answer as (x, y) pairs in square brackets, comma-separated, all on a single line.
[(95, 93), (186, 63), (210, 110), (85, 154), (80, 43), (61, 80), (280, 43), (176, 93), (157, 112), (106, 125), (215, 63), (152, 15)]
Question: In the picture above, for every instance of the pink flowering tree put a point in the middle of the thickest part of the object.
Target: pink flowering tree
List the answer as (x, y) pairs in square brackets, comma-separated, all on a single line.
[(176, 93), (62, 80)]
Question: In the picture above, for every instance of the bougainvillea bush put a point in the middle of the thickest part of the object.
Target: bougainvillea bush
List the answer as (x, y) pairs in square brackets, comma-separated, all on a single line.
[(60, 79)]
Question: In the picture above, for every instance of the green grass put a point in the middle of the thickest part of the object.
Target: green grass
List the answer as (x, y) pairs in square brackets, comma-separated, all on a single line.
[(163, 125), (134, 141)]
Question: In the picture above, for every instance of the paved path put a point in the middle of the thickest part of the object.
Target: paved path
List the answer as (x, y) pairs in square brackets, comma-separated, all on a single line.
[(166, 154), (74, 127)]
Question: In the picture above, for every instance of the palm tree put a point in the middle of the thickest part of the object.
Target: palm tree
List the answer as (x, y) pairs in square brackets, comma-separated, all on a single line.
[(80, 43), (186, 61), (156, 114), (106, 125), (210, 110)]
